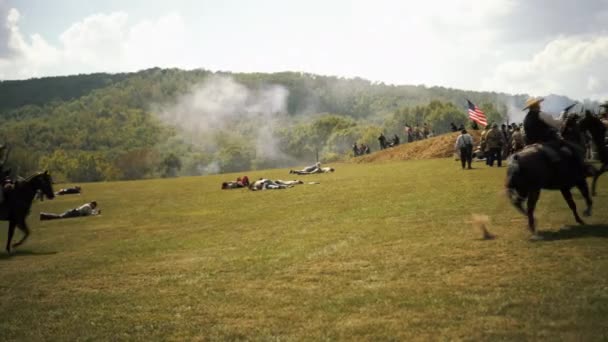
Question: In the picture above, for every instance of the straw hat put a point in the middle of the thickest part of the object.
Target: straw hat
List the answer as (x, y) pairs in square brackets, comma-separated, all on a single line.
[(533, 101)]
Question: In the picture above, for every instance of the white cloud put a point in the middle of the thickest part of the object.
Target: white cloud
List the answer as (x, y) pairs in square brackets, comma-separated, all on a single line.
[(100, 42), (574, 65), (516, 46)]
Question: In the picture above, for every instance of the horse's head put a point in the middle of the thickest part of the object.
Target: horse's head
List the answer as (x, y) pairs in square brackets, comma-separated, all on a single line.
[(572, 120), (43, 181), (590, 122)]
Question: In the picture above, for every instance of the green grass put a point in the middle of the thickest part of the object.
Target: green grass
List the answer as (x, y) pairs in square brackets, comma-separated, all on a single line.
[(374, 252)]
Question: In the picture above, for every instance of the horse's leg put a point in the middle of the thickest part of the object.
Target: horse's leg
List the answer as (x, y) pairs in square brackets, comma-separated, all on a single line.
[(568, 197), (596, 176), (26, 233), (583, 187), (532, 199), (516, 200), (11, 231)]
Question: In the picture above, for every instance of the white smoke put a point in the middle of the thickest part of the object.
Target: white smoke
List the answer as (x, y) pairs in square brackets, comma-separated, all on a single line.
[(220, 104), (213, 167), (552, 104), (514, 110)]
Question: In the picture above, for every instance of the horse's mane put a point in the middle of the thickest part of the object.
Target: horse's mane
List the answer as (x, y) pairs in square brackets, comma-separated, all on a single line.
[(596, 127), (37, 174)]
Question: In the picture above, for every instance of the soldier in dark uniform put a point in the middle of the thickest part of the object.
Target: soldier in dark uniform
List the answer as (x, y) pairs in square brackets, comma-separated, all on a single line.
[(542, 128), (382, 141), (539, 127)]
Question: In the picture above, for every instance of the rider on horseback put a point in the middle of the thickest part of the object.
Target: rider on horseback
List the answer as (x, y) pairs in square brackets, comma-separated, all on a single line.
[(541, 128), (4, 174)]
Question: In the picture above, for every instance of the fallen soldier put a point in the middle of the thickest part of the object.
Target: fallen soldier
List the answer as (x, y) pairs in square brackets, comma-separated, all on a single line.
[(68, 191), (267, 184), (88, 209), (317, 170), (239, 183)]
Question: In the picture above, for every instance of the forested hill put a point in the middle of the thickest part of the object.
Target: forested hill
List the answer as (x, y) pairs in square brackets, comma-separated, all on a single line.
[(165, 122), (39, 91)]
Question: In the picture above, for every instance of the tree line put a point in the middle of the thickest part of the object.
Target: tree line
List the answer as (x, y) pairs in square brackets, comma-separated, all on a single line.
[(102, 127)]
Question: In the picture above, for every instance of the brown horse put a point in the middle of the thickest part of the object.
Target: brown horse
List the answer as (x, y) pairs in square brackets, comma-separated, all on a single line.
[(18, 202)]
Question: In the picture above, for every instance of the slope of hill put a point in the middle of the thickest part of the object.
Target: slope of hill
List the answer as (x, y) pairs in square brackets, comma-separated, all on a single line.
[(441, 146)]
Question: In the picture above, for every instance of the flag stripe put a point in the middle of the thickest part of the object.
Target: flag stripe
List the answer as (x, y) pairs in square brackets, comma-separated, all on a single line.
[(477, 114)]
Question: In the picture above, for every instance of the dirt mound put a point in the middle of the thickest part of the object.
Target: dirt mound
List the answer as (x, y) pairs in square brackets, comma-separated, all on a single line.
[(441, 146)]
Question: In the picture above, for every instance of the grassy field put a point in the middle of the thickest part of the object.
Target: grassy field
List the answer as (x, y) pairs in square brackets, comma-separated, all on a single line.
[(374, 252)]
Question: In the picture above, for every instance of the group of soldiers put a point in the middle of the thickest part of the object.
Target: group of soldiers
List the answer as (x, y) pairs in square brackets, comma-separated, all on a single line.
[(417, 133), (386, 143), (361, 149), (498, 142), (538, 127)]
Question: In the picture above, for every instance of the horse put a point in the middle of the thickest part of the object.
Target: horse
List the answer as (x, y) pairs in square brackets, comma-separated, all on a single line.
[(592, 124), (18, 202), (532, 169)]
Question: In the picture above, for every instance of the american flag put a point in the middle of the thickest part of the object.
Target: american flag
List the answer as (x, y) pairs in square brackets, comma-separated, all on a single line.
[(477, 114)]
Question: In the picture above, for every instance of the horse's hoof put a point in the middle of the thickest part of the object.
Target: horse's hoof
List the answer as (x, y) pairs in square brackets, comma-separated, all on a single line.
[(536, 237)]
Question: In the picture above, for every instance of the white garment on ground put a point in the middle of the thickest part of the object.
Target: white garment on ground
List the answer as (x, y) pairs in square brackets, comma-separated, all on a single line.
[(264, 183), (312, 168), (86, 210), (288, 182)]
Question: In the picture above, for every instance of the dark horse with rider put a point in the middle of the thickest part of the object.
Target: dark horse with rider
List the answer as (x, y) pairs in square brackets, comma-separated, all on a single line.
[(555, 162), (17, 198)]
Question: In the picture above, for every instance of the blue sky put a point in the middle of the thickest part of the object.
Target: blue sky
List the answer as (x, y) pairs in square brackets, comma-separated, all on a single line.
[(515, 46)]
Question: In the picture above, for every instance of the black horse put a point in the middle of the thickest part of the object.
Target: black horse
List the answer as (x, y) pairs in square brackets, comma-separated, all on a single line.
[(18, 201), (592, 124), (534, 169)]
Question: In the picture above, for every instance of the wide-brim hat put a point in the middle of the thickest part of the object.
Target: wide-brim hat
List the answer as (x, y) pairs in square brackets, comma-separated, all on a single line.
[(532, 101)]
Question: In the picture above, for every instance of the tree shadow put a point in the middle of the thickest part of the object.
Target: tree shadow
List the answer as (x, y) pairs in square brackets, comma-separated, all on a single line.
[(18, 253), (576, 232)]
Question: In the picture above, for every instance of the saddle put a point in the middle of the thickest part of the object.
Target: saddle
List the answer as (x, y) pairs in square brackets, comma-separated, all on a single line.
[(556, 151)]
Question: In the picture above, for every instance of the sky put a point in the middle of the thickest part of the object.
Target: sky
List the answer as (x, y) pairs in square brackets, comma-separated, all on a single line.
[(537, 47)]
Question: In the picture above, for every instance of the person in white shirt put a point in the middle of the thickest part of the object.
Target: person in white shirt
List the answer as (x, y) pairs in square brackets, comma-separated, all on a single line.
[(464, 143), (87, 209), (326, 169)]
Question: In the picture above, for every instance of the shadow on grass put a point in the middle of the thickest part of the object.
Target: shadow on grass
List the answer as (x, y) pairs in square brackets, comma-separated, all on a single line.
[(576, 232), (18, 253)]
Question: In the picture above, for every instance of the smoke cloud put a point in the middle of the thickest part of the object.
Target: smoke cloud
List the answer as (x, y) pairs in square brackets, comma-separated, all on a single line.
[(8, 26), (220, 105)]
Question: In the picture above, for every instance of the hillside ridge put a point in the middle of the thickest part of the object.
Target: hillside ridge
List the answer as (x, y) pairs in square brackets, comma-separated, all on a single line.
[(441, 146)]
